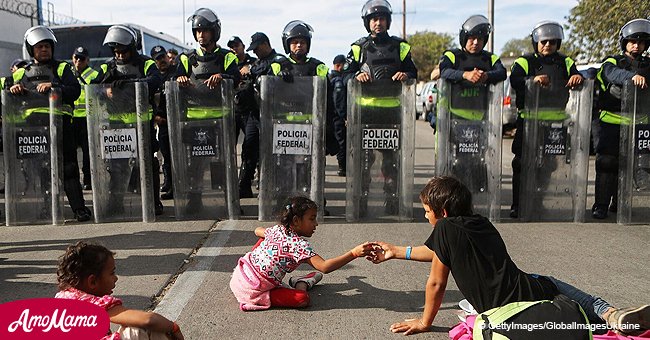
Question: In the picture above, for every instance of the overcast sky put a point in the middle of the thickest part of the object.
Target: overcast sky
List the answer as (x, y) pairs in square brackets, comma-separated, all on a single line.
[(336, 23)]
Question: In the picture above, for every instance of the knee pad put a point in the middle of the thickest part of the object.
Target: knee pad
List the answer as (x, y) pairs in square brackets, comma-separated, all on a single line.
[(606, 163)]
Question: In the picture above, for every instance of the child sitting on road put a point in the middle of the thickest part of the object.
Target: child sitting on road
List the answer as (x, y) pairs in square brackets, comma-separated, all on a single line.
[(87, 272), (471, 248), (257, 279)]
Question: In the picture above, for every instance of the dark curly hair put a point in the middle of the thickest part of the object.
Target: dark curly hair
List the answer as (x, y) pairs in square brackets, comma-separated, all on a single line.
[(295, 206), (80, 261)]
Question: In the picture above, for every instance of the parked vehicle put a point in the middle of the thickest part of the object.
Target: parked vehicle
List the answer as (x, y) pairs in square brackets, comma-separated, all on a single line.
[(425, 102)]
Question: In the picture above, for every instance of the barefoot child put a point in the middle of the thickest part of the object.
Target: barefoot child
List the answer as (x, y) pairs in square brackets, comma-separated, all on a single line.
[(87, 272), (257, 279), (472, 249)]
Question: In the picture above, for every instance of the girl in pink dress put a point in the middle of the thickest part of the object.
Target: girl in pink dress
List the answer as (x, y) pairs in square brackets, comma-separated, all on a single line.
[(257, 279), (87, 272)]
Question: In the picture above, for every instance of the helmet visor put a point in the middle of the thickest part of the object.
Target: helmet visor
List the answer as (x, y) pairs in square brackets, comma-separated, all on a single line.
[(37, 34), (638, 28), (548, 31), (119, 35), (477, 25), (376, 6), (204, 13)]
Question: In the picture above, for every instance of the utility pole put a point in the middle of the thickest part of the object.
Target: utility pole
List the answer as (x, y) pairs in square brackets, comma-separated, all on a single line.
[(491, 19), (404, 19), (403, 13), (183, 24)]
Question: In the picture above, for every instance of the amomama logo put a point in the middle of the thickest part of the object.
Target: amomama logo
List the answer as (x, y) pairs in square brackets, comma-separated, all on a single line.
[(52, 319)]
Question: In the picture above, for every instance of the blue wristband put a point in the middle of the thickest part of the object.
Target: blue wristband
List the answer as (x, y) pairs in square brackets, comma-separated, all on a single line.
[(408, 252)]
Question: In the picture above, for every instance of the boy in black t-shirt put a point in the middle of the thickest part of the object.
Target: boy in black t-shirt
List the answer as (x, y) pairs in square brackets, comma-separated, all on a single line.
[(472, 249)]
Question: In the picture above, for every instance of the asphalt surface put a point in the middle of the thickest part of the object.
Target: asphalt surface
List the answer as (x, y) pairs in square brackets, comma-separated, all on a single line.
[(182, 269)]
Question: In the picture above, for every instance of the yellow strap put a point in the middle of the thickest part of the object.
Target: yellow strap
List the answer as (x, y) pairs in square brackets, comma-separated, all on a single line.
[(61, 68), (356, 52), (599, 76), (404, 49), (379, 101), (185, 61), (129, 117), (297, 118), (276, 68), (322, 70), (468, 114), (495, 58), (451, 56), (18, 75), (229, 59), (147, 64), (204, 112), (546, 115), (569, 62), (521, 62)]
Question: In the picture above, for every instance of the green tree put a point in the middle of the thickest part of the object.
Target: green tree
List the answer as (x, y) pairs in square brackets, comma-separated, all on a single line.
[(516, 47), (426, 50), (594, 26)]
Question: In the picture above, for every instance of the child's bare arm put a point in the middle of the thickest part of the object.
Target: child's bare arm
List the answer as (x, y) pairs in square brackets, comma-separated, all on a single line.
[(146, 320), (259, 232), (333, 264), (434, 293)]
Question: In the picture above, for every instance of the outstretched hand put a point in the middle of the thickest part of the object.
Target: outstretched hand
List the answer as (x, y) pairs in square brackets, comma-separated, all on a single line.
[(381, 252), (365, 249)]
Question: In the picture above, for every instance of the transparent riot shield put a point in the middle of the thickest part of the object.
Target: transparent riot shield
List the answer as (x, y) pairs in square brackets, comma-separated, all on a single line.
[(468, 141), (634, 161), (120, 152), (31, 125), (381, 144), (202, 139), (555, 152), (292, 142)]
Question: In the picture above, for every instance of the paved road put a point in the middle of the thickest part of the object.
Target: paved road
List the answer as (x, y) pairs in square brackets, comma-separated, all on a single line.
[(182, 269)]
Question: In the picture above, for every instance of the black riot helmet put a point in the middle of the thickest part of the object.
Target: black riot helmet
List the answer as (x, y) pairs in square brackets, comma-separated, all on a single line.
[(374, 8), (37, 34), (638, 29), (122, 35), (205, 18), (474, 26), (296, 29), (547, 30)]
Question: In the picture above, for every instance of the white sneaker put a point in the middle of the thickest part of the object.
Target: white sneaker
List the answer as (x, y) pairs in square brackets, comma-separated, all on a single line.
[(310, 279)]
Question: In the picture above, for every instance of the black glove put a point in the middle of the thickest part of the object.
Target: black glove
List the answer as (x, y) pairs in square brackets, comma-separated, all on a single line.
[(119, 84), (286, 76)]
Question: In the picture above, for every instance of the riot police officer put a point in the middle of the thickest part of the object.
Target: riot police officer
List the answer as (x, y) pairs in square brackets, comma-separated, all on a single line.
[(167, 72), (247, 117), (210, 63), (85, 74), (339, 99), (381, 56), (43, 74), (127, 65), (634, 40), (544, 66), (207, 65), (468, 72), (471, 64)]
